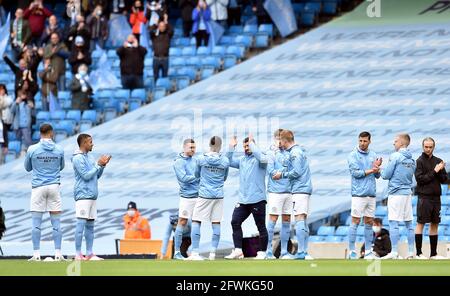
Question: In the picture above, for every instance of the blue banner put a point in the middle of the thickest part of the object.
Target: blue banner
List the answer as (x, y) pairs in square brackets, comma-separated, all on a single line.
[(4, 35), (283, 16), (216, 32), (119, 29), (103, 77)]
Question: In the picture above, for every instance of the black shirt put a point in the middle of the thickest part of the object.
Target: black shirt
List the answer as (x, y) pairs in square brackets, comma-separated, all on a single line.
[(428, 181)]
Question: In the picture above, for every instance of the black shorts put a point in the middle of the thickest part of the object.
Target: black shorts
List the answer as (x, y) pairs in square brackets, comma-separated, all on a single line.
[(428, 211)]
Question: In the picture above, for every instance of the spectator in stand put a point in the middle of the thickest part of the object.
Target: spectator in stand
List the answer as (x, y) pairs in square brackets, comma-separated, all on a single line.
[(260, 12), (36, 14), (201, 16), (98, 25), (29, 86), (79, 55), (132, 57), (187, 6), (33, 56), (81, 89), (102, 4), (219, 12), (52, 27), (20, 34), (79, 29), (137, 18), (136, 226), (17, 70), (161, 35), (57, 52), (234, 13), (6, 115), (21, 111), (156, 12), (120, 6), (49, 77)]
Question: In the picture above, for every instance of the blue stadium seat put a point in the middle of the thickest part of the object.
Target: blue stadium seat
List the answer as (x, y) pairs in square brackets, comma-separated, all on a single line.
[(42, 116), (116, 64), (172, 73), (236, 50), (5, 78), (191, 72), (182, 42), (250, 30), (325, 230), (445, 200), (211, 61), (266, 28), (203, 51), (96, 54), (57, 115), (165, 83), (330, 8), (122, 94), (12, 136), (36, 136), (385, 221), (175, 51), (226, 40), (148, 62), (65, 125), (194, 62), (445, 220), (342, 231), (313, 7), (188, 51), (308, 19), (182, 82), (218, 51), (298, 7), (445, 189), (64, 95), (90, 115), (235, 30), (74, 115), (334, 239), (381, 211), (15, 146), (348, 221), (140, 93), (177, 62), (206, 72), (158, 93), (229, 61), (244, 40), (316, 239), (110, 113), (85, 125), (262, 40), (10, 156), (60, 135), (111, 54), (134, 104)]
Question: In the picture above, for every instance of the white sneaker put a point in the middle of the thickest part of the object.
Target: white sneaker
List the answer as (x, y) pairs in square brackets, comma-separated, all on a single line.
[(308, 257), (48, 259), (34, 258), (369, 256), (195, 257), (93, 258), (235, 254), (438, 257), (287, 257), (422, 257), (260, 255), (410, 256), (212, 256), (391, 255)]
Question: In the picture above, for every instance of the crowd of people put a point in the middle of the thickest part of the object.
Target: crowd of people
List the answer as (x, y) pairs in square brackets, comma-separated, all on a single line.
[(38, 36)]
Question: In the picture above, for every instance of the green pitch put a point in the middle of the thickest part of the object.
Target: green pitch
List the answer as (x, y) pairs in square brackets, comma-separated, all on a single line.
[(222, 267)]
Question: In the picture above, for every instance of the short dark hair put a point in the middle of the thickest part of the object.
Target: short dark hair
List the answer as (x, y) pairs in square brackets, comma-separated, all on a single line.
[(215, 142), (364, 135), (378, 221), (188, 141), (287, 135), (81, 138), (4, 87), (405, 138), (424, 140), (246, 140), (45, 129)]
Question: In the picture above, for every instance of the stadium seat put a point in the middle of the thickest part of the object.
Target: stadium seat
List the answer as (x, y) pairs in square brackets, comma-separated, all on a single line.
[(206, 72), (42, 116), (348, 221), (316, 239), (90, 115), (444, 189), (74, 115), (65, 125), (325, 230), (140, 93), (10, 156), (85, 125), (203, 51), (445, 220), (182, 82), (381, 211), (329, 8), (110, 113), (122, 93), (35, 136), (218, 51), (342, 230), (308, 19), (262, 40), (226, 40), (229, 61), (266, 28), (235, 30), (211, 61), (134, 104), (158, 93), (191, 72), (334, 239), (188, 51), (60, 135), (177, 62), (175, 52), (298, 7), (15, 146), (244, 40), (313, 7), (12, 136), (165, 83), (250, 30), (445, 200)]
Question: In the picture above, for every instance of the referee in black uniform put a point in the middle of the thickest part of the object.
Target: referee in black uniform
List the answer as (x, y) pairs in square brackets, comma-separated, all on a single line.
[(430, 174)]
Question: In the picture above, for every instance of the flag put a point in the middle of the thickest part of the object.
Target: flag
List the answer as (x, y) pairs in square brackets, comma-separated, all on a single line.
[(103, 77), (4, 35), (283, 16), (53, 103), (119, 29), (216, 31)]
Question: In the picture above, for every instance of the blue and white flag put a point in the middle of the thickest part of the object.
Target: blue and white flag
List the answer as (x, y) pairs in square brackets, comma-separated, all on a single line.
[(4, 35), (53, 103), (216, 32), (283, 16), (103, 77), (119, 29)]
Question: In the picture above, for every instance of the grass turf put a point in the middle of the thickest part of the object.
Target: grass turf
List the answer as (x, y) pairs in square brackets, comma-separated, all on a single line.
[(222, 267)]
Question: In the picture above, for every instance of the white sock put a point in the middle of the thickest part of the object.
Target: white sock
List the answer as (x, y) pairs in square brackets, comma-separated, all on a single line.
[(58, 253), (36, 253)]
